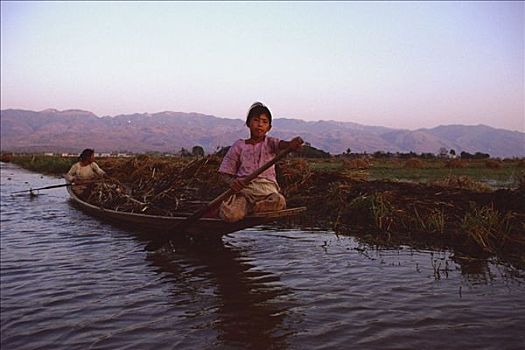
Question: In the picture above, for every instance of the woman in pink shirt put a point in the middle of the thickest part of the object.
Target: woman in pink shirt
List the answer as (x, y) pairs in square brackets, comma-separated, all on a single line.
[(246, 156)]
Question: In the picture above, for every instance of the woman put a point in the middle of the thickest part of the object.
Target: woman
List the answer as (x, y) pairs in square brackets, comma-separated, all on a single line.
[(83, 171)]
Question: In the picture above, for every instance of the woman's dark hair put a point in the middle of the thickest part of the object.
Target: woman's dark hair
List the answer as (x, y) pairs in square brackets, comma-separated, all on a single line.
[(256, 110), (86, 154)]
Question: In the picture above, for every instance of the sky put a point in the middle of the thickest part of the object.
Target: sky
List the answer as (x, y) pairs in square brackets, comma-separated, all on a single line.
[(404, 65)]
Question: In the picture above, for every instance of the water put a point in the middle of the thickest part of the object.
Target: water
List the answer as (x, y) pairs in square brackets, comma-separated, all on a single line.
[(69, 281)]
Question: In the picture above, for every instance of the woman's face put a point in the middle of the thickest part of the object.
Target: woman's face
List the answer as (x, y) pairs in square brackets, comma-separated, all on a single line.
[(259, 126), (89, 159)]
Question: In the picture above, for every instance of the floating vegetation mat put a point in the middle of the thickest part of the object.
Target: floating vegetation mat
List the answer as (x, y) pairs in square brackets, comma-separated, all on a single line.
[(455, 213)]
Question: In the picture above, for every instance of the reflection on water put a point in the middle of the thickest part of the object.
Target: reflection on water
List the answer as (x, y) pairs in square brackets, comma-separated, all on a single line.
[(480, 271), (248, 313), (69, 281)]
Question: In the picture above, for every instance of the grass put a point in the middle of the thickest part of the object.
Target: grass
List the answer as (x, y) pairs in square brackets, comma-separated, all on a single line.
[(434, 170), (507, 176), (45, 164)]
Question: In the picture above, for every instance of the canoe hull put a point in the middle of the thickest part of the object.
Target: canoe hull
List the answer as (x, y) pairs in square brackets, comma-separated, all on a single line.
[(163, 226)]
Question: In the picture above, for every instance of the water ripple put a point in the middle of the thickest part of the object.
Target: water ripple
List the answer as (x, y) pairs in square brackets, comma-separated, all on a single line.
[(69, 281)]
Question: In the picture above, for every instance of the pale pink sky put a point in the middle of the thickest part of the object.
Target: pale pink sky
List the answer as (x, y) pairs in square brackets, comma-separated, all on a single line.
[(396, 64)]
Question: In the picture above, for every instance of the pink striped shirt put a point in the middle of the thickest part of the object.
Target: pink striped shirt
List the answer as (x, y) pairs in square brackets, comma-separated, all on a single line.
[(244, 158)]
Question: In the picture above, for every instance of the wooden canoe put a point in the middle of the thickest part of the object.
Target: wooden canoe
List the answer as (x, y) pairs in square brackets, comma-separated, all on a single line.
[(169, 226)]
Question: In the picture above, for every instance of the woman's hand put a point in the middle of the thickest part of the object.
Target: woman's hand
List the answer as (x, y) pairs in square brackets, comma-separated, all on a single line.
[(296, 143), (78, 181)]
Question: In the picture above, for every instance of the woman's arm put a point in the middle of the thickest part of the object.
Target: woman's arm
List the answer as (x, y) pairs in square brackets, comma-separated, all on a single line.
[(71, 174), (97, 170)]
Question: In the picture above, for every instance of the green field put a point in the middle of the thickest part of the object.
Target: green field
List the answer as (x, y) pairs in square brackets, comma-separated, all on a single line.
[(506, 176)]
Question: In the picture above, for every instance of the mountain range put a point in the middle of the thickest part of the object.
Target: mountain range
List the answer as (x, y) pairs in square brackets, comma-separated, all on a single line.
[(73, 130)]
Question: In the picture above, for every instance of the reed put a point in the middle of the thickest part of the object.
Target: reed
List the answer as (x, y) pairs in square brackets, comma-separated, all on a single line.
[(487, 227), (382, 212), (436, 220), (432, 222)]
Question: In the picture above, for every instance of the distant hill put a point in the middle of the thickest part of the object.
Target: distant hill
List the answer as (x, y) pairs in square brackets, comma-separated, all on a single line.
[(72, 130)]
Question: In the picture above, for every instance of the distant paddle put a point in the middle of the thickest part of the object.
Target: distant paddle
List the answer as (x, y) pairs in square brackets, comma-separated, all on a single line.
[(50, 187), (43, 188)]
